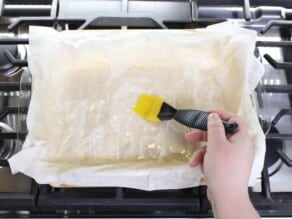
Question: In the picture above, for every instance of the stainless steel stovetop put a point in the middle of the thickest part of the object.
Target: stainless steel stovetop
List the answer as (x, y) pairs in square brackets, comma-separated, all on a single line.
[(21, 196)]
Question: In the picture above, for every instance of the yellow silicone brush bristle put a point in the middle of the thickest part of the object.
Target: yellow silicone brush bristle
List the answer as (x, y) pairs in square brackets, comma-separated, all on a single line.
[(148, 107)]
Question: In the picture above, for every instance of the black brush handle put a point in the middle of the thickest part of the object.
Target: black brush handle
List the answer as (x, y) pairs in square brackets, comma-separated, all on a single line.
[(198, 119)]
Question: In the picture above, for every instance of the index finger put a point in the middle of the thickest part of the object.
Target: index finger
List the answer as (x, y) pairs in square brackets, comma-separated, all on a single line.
[(230, 117), (226, 116)]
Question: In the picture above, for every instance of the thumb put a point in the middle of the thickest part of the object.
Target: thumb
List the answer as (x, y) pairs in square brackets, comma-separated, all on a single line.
[(216, 131)]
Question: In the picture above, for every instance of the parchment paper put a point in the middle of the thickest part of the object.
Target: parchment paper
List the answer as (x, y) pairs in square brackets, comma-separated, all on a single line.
[(82, 130)]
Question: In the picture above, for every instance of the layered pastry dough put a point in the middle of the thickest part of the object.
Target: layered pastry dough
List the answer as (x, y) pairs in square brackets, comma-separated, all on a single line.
[(85, 84)]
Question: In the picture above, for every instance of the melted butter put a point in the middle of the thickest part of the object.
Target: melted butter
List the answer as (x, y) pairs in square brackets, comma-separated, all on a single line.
[(151, 145), (92, 108), (187, 155), (141, 157)]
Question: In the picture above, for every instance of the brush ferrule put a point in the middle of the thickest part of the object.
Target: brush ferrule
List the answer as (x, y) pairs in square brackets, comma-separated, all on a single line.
[(167, 112)]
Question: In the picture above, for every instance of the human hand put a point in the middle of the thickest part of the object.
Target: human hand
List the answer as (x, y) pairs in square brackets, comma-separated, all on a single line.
[(227, 160)]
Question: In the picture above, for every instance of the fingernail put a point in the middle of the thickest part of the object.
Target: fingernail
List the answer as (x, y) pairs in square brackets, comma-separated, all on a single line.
[(188, 135), (213, 117), (193, 163)]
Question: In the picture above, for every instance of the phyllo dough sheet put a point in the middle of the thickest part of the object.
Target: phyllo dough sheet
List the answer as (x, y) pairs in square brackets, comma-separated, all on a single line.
[(82, 129)]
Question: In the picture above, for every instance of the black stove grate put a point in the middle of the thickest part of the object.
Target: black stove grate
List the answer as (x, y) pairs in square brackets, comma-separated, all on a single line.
[(46, 201)]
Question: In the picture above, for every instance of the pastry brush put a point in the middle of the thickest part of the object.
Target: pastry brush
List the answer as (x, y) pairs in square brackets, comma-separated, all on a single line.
[(154, 109)]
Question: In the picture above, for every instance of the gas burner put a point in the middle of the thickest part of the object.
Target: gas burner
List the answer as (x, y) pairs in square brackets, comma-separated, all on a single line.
[(7, 69), (272, 159)]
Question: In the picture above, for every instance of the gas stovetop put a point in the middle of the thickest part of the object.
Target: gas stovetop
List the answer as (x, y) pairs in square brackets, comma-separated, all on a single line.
[(20, 196)]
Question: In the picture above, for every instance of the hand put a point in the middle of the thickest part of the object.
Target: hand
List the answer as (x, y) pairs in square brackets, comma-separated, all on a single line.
[(226, 161)]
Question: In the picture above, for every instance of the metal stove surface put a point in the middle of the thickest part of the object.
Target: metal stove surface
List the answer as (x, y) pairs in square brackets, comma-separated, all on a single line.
[(20, 196), (280, 174)]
